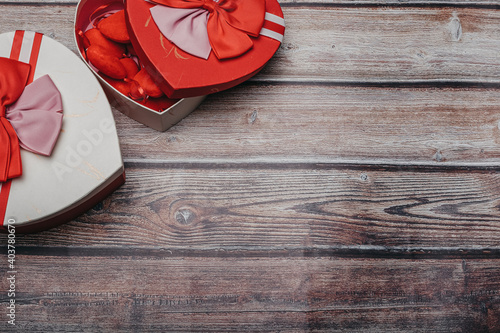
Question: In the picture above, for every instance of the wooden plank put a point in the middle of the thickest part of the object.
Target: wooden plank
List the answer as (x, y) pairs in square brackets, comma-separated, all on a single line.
[(347, 124), (53, 20), (386, 45), (329, 124), (105, 294), (348, 45), (275, 208)]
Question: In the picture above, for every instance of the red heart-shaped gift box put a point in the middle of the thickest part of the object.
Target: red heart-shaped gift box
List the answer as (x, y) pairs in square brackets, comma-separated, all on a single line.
[(181, 74), (183, 77)]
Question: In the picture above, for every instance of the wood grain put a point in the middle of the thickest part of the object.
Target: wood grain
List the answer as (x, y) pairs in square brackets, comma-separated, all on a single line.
[(124, 294), (375, 45), (420, 125), (387, 45), (272, 208), (351, 186), (330, 124)]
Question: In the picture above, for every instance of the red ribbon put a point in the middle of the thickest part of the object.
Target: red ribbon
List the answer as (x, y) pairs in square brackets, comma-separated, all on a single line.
[(230, 23), (12, 82), (30, 117)]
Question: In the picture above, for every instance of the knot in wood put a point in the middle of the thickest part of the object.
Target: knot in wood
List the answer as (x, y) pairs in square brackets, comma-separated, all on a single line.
[(455, 28), (185, 216)]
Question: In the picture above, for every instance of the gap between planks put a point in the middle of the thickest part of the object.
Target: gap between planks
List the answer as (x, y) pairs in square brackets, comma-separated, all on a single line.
[(311, 163), (377, 83), (353, 252)]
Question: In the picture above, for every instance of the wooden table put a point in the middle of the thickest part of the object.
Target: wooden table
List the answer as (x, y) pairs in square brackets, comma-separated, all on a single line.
[(352, 186)]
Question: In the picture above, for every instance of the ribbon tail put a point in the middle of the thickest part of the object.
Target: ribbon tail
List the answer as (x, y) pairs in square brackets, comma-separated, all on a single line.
[(10, 154), (4, 153)]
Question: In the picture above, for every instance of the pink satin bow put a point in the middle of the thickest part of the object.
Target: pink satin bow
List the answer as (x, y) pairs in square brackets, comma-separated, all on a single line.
[(199, 26), (30, 117)]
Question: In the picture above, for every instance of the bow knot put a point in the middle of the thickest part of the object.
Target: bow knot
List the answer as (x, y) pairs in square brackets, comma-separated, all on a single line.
[(200, 26), (30, 116), (209, 5)]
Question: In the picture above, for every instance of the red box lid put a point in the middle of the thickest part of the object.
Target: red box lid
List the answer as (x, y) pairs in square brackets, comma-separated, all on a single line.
[(180, 74)]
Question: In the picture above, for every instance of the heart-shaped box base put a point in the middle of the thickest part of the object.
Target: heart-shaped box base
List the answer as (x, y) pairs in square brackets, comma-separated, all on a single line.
[(180, 74), (85, 165), (147, 114)]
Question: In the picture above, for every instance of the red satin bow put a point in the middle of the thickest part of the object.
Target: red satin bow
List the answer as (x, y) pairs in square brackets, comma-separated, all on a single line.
[(230, 23), (30, 116), (12, 82)]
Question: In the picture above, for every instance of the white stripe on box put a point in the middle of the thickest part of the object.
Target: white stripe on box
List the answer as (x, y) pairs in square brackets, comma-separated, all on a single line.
[(27, 45), (272, 34), (275, 19)]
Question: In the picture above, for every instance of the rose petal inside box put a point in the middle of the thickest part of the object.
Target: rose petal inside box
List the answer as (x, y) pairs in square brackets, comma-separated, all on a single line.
[(159, 113)]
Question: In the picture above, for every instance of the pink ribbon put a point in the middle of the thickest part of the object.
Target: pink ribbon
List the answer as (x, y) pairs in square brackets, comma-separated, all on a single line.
[(186, 28), (37, 116)]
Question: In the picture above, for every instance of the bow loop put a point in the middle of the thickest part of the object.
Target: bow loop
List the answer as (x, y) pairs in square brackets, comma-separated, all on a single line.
[(37, 116), (199, 26), (30, 117)]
